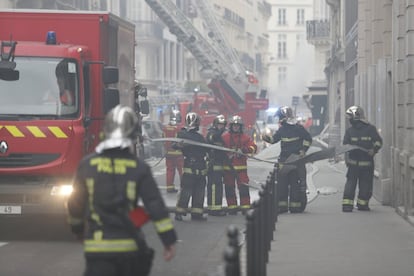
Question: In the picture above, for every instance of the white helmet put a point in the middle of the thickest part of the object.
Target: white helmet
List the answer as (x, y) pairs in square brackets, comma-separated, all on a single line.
[(121, 128), (192, 120)]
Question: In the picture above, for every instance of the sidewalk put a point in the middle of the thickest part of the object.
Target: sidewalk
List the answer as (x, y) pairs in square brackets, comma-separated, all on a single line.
[(324, 241)]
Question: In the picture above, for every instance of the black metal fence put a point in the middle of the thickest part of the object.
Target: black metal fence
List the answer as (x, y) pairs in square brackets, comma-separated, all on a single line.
[(260, 226)]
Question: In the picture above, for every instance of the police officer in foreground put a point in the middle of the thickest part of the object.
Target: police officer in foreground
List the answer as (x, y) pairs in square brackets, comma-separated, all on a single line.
[(216, 160), (294, 139), (106, 188), (360, 162), (195, 170)]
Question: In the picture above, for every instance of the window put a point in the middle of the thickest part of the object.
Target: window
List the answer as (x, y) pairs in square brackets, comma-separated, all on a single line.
[(281, 76), (282, 17), (281, 46), (300, 17)]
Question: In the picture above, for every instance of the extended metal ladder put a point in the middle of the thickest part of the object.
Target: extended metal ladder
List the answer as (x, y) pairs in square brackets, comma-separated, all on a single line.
[(214, 61)]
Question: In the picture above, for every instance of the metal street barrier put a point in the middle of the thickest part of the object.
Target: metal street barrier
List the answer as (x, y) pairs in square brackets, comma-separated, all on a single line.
[(260, 226)]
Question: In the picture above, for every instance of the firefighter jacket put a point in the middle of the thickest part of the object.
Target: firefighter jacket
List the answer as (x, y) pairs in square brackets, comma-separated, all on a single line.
[(106, 187), (194, 156), (214, 137), (364, 135), (171, 132), (293, 139), (239, 141)]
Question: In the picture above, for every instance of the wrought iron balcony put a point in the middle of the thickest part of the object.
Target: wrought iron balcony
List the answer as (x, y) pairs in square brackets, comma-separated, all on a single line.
[(317, 31)]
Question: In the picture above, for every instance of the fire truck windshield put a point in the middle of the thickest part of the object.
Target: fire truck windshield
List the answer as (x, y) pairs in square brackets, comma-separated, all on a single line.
[(47, 86)]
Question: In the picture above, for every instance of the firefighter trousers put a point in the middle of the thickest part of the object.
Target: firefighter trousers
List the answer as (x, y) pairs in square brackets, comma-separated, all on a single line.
[(291, 190), (193, 186), (215, 190), (131, 264), (173, 164), (362, 176), (242, 180)]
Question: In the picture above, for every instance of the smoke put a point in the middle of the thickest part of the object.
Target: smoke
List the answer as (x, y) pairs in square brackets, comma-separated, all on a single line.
[(298, 76)]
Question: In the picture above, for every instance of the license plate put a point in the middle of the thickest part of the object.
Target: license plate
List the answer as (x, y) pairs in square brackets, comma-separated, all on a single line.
[(10, 210)]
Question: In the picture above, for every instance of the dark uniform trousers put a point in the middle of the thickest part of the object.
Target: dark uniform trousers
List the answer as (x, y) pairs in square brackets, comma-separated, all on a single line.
[(291, 189), (363, 177), (215, 188), (193, 185), (128, 264)]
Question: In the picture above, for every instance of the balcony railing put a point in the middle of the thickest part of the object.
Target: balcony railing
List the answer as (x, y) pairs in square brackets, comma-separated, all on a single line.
[(317, 30)]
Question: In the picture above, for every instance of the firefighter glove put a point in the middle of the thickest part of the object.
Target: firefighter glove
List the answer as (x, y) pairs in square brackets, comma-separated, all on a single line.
[(267, 138)]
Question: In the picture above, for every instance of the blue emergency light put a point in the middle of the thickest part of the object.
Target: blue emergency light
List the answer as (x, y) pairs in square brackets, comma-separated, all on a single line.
[(51, 38)]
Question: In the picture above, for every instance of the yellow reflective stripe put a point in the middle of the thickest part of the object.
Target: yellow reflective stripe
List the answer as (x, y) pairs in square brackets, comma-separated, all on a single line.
[(90, 185), (131, 190), (292, 139), (347, 202), (98, 235), (195, 171), (197, 210), (74, 221), (237, 168), (364, 163), (232, 207), (362, 202), (180, 210), (36, 131), (365, 138), (215, 207), (246, 206), (57, 132), (14, 131), (378, 144), (354, 139), (283, 203), (174, 152), (306, 143), (164, 225), (121, 245), (294, 204), (218, 168)]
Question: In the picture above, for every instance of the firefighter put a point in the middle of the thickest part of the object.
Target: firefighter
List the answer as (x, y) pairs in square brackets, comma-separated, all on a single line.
[(235, 171), (195, 170), (106, 188), (215, 167), (294, 139), (360, 163), (174, 160)]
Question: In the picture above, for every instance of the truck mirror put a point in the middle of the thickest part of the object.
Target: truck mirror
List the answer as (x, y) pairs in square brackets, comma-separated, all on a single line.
[(144, 107), (110, 75), (110, 99), (9, 75)]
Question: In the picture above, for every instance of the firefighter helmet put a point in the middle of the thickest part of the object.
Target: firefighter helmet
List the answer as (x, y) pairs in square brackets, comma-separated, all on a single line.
[(236, 120), (175, 117), (285, 114), (121, 128), (192, 120), (355, 113), (220, 119)]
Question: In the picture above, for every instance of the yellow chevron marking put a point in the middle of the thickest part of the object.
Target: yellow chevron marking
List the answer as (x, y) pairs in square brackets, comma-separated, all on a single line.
[(14, 131), (57, 132), (36, 131)]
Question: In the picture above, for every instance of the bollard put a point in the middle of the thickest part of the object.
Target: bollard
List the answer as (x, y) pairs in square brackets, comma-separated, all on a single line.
[(233, 235), (231, 258), (250, 243)]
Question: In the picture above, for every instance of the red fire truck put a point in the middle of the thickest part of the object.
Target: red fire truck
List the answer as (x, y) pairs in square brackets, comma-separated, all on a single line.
[(89, 56)]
